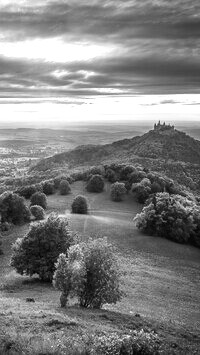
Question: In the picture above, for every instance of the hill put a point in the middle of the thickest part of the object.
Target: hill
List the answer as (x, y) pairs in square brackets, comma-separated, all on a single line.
[(164, 142), (163, 149)]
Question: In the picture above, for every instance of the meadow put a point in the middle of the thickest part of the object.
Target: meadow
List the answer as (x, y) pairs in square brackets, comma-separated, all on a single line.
[(160, 279)]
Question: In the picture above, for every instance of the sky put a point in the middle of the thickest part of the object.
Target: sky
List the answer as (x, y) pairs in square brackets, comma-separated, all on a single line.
[(65, 61)]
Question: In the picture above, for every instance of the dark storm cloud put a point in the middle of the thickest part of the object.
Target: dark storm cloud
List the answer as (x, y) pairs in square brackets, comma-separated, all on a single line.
[(141, 19), (158, 47)]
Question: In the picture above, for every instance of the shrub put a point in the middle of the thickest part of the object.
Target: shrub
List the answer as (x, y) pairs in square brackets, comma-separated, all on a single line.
[(64, 187), (80, 205), (78, 176), (13, 208), (111, 176), (89, 273), (38, 251), (69, 274), (137, 176), (117, 191), (57, 180), (142, 190), (26, 191), (155, 187), (48, 187), (97, 170), (37, 212), (126, 171), (95, 184), (40, 199), (139, 342), (170, 216), (101, 284)]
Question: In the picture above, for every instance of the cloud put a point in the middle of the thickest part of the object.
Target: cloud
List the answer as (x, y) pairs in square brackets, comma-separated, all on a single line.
[(154, 48)]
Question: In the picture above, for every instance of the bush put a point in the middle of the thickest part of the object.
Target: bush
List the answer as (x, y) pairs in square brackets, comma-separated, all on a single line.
[(137, 176), (48, 187), (38, 251), (57, 180), (37, 212), (96, 170), (80, 205), (170, 216), (40, 199), (13, 208), (126, 171), (139, 342), (155, 188), (101, 284), (64, 187), (117, 191), (95, 184), (142, 190), (69, 274), (89, 273), (26, 191), (111, 176)]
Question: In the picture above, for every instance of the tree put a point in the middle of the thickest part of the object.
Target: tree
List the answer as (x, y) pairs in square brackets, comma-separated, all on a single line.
[(48, 187), (39, 198), (70, 273), (117, 191), (80, 205), (57, 180), (170, 216), (142, 190), (126, 171), (38, 251), (137, 176), (37, 212), (64, 187), (111, 176), (13, 208), (96, 170), (26, 191), (89, 273), (95, 184)]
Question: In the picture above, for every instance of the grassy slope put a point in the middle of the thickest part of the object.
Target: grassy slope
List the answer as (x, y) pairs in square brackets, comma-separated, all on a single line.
[(160, 279)]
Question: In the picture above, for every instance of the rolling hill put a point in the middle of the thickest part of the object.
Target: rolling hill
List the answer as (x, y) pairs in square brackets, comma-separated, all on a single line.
[(163, 143)]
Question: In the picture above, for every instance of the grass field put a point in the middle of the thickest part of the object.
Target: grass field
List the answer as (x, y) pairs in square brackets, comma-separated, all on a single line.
[(160, 279)]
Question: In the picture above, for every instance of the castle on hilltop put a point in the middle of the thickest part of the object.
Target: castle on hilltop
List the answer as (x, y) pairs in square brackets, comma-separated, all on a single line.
[(163, 127)]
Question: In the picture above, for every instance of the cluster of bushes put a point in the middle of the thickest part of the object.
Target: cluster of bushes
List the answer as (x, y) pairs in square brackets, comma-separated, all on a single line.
[(29, 190), (171, 216), (13, 209), (47, 186), (141, 182)]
